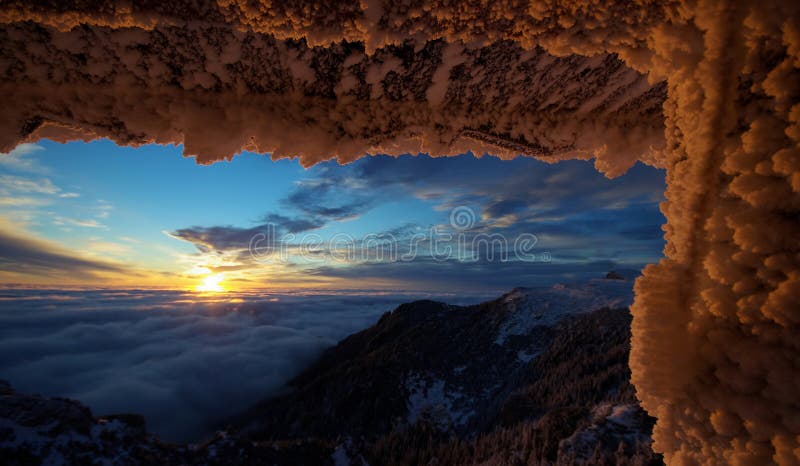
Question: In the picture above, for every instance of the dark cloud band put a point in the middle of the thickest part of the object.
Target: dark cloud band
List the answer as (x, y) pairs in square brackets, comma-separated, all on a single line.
[(28, 256)]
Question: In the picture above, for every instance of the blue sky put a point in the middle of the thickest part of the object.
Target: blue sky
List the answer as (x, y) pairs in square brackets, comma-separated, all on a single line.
[(96, 213)]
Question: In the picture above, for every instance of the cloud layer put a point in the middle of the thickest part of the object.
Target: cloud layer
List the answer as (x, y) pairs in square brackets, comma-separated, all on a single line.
[(183, 361)]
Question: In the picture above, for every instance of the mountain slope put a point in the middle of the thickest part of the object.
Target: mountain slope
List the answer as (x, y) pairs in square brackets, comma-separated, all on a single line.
[(431, 380), (457, 359)]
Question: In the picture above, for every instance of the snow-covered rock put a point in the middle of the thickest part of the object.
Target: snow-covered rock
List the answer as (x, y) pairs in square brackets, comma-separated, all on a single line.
[(526, 308), (433, 398)]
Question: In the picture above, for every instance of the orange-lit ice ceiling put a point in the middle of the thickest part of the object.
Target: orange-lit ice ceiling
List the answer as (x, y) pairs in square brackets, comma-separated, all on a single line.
[(716, 347)]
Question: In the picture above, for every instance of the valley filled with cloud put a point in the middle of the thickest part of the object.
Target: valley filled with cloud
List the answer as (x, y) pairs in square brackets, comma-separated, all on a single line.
[(186, 363)]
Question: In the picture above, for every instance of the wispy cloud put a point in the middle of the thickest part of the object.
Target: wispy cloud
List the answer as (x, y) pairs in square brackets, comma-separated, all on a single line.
[(83, 223), (9, 183), (23, 253), (19, 159), (22, 201), (103, 208), (101, 248), (26, 191)]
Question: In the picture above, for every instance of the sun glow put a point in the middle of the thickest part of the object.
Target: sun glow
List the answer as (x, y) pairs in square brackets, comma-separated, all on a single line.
[(211, 284)]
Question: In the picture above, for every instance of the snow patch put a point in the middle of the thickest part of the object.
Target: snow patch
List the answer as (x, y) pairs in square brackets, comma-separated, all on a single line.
[(340, 457), (526, 357), (610, 424), (431, 398), (545, 306)]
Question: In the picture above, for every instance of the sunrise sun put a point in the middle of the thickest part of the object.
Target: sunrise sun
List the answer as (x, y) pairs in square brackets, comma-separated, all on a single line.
[(211, 284)]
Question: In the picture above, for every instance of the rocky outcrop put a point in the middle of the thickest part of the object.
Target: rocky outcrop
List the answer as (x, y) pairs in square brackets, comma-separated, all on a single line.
[(41, 430), (37, 430)]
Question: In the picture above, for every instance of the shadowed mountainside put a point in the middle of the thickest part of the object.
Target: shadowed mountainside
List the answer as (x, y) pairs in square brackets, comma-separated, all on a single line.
[(534, 377)]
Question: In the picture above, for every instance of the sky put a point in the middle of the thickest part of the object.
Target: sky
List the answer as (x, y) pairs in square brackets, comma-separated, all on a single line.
[(99, 215)]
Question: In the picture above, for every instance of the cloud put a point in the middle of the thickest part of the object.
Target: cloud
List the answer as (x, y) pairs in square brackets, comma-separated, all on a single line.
[(24, 191), (103, 248), (25, 185), (67, 221), (292, 225), (504, 207), (316, 197), (520, 186), (103, 208), (481, 274), (183, 362), (22, 201), (218, 238), (34, 257), (231, 238), (310, 202), (19, 158)]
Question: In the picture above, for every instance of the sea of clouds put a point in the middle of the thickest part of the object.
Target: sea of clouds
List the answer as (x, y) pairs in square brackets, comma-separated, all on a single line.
[(186, 362)]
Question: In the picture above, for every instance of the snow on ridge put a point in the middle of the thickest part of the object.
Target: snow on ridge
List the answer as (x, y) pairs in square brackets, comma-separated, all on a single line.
[(429, 396), (624, 415), (526, 356), (615, 423), (532, 307), (339, 456)]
